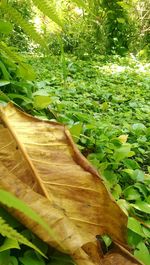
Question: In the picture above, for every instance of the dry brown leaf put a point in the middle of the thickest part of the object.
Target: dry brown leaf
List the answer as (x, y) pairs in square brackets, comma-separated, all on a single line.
[(44, 168)]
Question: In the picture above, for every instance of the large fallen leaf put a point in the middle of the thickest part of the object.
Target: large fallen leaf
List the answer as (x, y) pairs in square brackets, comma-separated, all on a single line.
[(41, 165)]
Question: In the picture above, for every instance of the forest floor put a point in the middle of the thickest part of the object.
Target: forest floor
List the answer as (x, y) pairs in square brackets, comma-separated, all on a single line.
[(105, 102)]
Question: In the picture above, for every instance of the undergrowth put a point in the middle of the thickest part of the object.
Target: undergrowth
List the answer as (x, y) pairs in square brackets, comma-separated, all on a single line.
[(105, 103)]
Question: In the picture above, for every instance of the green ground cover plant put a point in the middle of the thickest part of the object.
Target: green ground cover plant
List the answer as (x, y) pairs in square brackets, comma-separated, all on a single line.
[(104, 100), (105, 103)]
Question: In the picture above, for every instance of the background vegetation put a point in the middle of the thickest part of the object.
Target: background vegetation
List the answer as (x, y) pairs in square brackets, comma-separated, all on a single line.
[(86, 64)]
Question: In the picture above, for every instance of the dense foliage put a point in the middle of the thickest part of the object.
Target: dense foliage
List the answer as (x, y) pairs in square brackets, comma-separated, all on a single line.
[(108, 114), (103, 98)]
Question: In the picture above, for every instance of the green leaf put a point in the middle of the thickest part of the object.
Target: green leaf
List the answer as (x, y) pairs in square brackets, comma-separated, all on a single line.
[(138, 175), (104, 106), (138, 128), (131, 164), (135, 226), (131, 193), (5, 73), (111, 177), (4, 83), (142, 188), (103, 166), (148, 198), (24, 98), (131, 153), (76, 130), (133, 238), (26, 72), (5, 27), (142, 253), (31, 257), (41, 92), (124, 205), (146, 231), (117, 191), (142, 206), (123, 152), (147, 180), (9, 243), (107, 240), (5, 257), (121, 20), (13, 261), (41, 102), (124, 5), (129, 172)]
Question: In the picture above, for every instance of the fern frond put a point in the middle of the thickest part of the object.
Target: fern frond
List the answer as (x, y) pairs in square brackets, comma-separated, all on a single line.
[(49, 10), (24, 70), (7, 231), (80, 3), (9, 200), (17, 18), (15, 57)]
